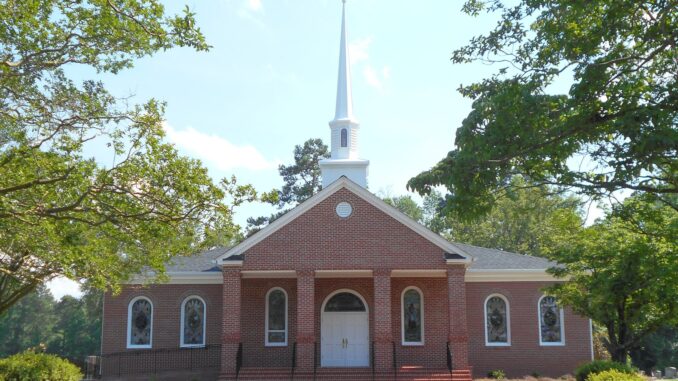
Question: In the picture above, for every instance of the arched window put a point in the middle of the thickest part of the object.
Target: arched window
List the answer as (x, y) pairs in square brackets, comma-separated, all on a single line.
[(140, 323), (344, 137), (551, 329), (497, 321), (193, 322), (345, 302), (412, 304), (276, 317)]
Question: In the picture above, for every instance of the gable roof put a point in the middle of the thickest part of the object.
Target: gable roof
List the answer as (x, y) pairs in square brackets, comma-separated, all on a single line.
[(493, 259), (448, 247)]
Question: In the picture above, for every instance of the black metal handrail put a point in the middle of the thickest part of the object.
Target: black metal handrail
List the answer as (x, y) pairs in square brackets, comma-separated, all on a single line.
[(153, 361), (238, 360), (449, 357), (395, 365), (372, 359), (294, 359)]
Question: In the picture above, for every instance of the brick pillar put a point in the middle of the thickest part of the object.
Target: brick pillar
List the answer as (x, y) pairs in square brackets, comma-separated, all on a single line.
[(305, 322), (383, 328), (230, 320), (458, 333)]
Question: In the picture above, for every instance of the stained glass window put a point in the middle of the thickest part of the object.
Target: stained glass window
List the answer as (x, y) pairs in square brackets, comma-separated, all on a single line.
[(412, 316), (193, 329), (496, 320), (140, 322), (344, 137), (276, 318), (344, 302), (550, 324)]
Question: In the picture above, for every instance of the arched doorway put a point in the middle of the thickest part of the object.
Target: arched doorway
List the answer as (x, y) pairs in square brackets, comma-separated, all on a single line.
[(344, 330)]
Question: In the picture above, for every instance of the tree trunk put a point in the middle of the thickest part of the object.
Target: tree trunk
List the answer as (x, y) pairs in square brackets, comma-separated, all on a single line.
[(619, 355)]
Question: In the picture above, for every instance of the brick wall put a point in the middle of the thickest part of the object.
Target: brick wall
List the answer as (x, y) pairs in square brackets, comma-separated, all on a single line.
[(166, 299), (525, 356)]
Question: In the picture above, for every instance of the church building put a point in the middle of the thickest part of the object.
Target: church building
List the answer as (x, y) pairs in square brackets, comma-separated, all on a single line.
[(343, 286)]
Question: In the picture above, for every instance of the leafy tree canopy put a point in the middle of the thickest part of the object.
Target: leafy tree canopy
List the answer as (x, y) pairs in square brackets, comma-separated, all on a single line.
[(615, 129), (623, 272), (406, 205), (301, 181), (62, 212)]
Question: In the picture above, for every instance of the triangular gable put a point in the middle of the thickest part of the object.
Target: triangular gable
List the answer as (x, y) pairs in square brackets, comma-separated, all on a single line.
[(458, 255)]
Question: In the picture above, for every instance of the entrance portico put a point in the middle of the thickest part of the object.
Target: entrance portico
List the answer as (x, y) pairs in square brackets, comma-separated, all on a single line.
[(344, 319)]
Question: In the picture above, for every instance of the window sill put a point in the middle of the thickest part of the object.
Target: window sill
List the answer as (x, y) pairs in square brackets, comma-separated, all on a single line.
[(404, 344), (275, 344), (499, 345), (190, 346), (551, 344), (139, 347)]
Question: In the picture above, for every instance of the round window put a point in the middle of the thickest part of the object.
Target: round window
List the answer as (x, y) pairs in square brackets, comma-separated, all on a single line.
[(344, 209)]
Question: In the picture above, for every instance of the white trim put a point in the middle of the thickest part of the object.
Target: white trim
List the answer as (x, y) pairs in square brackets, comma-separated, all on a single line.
[(343, 273), (232, 263), (508, 321), (419, 273), (510, 275), (266, 330), (183, 319), (266, 274), (562, 326), (344, 182), (402, 317), (365, 313), (129, 320), (184, 277), (356, 293)]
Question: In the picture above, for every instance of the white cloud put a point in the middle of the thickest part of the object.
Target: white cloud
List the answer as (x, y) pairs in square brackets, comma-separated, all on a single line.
[(216, 151), (358, 50), (63, 286), (254, 5), (376, 78), (252, 10)]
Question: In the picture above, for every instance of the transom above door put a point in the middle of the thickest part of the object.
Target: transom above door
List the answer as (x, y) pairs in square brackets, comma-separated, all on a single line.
[(344, 330)]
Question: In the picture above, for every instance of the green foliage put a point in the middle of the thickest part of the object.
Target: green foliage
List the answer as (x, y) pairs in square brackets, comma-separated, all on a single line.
[(496, 374), (37, 367), (623, 272), (95, 221), (583, 372), (614, 375), (69, 328), (614, 130), (301, 180), (406, 205), (658, 350)]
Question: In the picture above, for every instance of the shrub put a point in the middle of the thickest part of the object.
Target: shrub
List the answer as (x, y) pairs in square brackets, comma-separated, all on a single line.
[(614, 375), (582, 373), (29, 366), (496, 374)]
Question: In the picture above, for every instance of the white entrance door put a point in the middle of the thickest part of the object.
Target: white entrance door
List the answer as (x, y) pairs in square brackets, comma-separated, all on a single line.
[(344, 331)]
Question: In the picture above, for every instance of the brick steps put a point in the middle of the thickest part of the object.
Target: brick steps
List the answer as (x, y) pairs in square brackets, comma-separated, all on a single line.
[(354, 374)]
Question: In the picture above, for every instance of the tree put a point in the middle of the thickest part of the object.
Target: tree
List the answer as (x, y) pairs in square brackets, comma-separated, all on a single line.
[(614, 130), (528, 220), (301, 181), (406, 205), (29, 323), (658, 350), (62, 212), (77, 332), (623, 272)]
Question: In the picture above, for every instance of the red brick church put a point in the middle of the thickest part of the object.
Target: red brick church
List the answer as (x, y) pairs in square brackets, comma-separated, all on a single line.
[(344, 286)]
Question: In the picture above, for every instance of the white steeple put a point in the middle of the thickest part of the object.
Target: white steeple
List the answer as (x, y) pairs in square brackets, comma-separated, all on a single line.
[(344, 160)]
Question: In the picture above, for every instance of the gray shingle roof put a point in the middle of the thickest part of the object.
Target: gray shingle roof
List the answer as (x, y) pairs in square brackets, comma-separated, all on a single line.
[(493, 259), (202, 262), (485, 259)]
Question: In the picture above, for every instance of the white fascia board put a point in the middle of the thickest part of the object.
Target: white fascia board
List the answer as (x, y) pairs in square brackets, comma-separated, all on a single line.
[(268, 274), (509, 275), (344, 182), (185, 277), (433, 273), (343, 273)]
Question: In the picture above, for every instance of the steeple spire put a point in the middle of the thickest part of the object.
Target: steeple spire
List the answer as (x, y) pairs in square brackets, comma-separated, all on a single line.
[(344, 109), (344, 159)]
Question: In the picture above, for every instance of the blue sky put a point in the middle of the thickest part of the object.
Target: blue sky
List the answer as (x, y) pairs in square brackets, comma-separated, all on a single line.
[(269, 83)]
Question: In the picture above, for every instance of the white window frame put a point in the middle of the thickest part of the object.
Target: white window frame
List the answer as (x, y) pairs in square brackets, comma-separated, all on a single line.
[(266, 330), (129, 321), (508, 321), (402, 318), (562, 325), (183, 319)]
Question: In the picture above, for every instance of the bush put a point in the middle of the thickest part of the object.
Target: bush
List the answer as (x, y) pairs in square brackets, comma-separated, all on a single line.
[(496, 374), (29, 366), (614, 375), (582, 373)]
